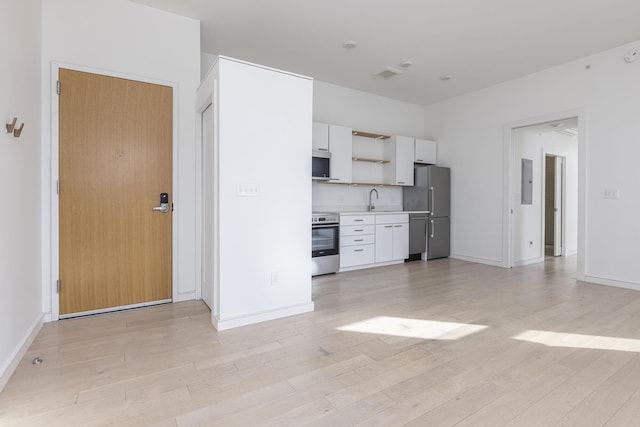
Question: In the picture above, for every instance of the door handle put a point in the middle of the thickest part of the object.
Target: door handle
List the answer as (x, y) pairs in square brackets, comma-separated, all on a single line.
[(164, 203), (432, 200), (433, 228)]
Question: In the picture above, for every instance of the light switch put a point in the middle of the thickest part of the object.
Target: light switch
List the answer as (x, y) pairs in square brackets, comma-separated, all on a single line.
[(611, 193), (248, 190)]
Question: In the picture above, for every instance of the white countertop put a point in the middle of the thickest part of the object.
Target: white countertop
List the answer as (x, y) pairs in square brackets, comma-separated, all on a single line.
[(381, 212)]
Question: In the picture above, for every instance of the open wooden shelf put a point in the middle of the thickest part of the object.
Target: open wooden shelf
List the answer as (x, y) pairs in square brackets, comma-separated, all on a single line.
[(364, 159), (370, 135)]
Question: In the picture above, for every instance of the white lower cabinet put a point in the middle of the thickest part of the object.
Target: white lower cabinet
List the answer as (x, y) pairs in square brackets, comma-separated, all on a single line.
[(367, 240), (384, 243), (392, 237), (357, 240), (351, 256), (400, 241)]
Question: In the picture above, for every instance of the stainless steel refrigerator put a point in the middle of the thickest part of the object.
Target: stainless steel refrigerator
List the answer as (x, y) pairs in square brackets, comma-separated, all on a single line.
[(431, 192)]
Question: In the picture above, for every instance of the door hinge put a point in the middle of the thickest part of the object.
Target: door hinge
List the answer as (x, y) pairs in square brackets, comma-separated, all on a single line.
[(58, 285), (57, 187), (58, 87)]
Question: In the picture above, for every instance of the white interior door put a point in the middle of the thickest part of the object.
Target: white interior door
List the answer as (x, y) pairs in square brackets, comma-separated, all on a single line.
[(557, 206), (207, 206)]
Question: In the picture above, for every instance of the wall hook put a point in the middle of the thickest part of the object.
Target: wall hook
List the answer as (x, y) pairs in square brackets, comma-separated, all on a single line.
[(18, 131), (11, 125)]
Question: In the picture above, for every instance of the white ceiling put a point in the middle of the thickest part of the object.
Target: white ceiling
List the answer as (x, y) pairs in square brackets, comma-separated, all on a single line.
[(479, 43)]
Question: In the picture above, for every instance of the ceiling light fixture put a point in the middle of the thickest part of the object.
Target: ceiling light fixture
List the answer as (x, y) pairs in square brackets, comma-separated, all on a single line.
[(349, 44), (405, 64), (387, 72), (446, 77)]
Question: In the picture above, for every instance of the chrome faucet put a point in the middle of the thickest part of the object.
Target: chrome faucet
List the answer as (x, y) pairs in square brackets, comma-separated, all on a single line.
[(371, 206)]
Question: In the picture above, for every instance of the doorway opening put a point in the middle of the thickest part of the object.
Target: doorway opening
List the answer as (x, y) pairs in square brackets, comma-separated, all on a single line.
[(554, 205), (544, 188)]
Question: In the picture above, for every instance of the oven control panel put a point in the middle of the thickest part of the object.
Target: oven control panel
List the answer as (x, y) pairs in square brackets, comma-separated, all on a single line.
[(325, 218)]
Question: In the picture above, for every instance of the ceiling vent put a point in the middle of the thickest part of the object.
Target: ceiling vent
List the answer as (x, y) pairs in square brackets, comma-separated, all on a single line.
[(387, 72)]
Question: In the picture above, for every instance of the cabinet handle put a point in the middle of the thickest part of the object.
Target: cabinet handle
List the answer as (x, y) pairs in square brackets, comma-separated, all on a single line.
[(433, 228), (358, 231), (400, 182), (388, 226), (419, 160), (358, 220), (323, 149), (358, 240), (397, 226), (358, 250)]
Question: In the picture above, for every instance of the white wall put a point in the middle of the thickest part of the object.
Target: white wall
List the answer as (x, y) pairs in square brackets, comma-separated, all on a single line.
[(20, 304), (207, 60), (471, 135), (124, 37), (370, 113), (264, 141), (530, 143)]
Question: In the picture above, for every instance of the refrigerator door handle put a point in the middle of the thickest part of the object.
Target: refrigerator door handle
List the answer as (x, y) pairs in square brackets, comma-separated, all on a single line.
[(432, 200), (433, 228)]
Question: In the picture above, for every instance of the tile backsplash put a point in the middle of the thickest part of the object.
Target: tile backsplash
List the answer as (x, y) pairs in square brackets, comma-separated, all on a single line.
[(349, 198)]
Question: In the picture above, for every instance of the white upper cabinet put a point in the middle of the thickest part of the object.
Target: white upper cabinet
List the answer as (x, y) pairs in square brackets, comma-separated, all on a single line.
[(426, 152), (401, 154), (341, 151), (320, 137)]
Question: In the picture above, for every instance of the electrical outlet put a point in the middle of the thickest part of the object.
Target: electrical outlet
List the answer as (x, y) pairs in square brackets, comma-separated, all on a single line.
[(275, 278)]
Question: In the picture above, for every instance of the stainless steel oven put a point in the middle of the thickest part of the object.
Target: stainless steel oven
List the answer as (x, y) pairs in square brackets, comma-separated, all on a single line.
[(325, 243)]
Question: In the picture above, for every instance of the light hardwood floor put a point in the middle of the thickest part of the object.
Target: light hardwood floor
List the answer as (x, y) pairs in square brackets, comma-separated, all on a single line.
[(422, 344)]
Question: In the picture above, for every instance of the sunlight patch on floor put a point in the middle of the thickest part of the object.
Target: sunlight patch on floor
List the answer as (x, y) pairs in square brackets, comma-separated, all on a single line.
[(596, 342), (413, 328)]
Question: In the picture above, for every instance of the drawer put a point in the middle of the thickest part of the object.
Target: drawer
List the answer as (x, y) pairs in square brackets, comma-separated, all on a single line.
[(357, 230), (357, 255), (366, 239), (357, 219), (392, 219)]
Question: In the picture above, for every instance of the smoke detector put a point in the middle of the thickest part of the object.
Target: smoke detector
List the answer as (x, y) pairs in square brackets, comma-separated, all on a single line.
[(387, 72), (631, 56)]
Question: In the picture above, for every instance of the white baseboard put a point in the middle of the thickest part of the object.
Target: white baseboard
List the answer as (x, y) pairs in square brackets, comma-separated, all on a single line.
[(571, 253), (610, 282), (186, 296), (250, 319), (18, 353), (379, 264), (528, 262), (493, 262)]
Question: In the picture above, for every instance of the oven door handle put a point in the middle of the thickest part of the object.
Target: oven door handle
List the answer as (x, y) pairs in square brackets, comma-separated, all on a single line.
[(324, 226)]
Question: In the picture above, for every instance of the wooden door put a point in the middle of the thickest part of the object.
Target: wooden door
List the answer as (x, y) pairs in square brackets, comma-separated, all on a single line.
[(115, 159)]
